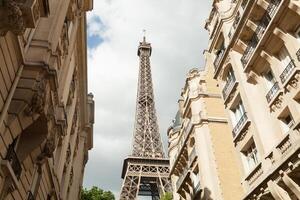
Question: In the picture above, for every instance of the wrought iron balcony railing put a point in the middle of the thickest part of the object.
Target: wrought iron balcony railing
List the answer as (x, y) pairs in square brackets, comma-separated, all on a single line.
[(298, 55), (234, 25), (244, 3), (197, 188), (30, 196), (272, 7), (249, 50), (287, 71), (258, 34), (238, 127), (192, 156), (228, 87), (272, 92), (218, 59), (182, 178), (13, 159)]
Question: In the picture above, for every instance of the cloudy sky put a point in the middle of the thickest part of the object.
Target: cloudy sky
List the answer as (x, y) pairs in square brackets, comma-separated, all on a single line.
[(175, 28)]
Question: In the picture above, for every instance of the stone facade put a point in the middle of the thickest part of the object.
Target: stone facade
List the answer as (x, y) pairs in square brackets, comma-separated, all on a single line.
[(46, 118), (202, 159), (254, 47)]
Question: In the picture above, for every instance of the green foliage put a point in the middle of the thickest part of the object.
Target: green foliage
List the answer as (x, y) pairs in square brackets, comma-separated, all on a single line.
[(167, 196), (96, 193)]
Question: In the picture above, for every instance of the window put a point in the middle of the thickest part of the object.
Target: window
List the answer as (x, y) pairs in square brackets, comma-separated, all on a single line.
[(230, 76), (238, 112), (287, 123), (297, 34), (269, 79), (284, 56), (250, 157)]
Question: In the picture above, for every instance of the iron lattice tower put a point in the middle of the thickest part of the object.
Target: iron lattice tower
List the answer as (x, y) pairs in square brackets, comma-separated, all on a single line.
[(146, 171)]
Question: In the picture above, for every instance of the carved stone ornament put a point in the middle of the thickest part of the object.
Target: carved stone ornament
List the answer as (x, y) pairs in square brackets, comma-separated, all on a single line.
[(11, 18), (38, 100), (74, 123), (71, 177), (277, 104), (65, 39), (193, 73), (49, 147)]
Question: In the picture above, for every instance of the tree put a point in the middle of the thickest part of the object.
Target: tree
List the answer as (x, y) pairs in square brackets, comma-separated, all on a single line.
[(167, 196), (96, 193)]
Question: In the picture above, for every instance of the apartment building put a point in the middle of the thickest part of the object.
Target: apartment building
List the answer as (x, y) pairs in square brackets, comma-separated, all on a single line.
[(203, 164), (254, 46), (46, 113)]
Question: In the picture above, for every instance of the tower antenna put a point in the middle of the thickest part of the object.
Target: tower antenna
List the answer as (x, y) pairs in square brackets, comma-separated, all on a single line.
[(144, 35)]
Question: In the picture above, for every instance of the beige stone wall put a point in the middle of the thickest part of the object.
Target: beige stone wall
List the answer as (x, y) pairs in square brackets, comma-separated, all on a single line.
[(203, 144), (46, 127)]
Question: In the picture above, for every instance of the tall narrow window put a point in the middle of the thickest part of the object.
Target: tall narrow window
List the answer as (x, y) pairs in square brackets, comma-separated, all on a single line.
[(269, 79), (298, 34), (284, 56), (238, 112), (230, 76), (250, 157), (287, 122)]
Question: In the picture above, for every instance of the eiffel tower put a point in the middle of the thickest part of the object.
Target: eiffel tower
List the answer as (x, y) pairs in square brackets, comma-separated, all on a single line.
[(146, 171)]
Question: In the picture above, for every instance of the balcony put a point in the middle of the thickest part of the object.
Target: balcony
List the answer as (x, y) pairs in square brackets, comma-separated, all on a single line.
[(260, 30), (285, 75), (196, 190), (13, 159), (182, 178), (192, 156), (218, 59), (272, 92), (228, 88), (240, 125), (298, 55), (254, 175), (234, 25), (30, 196)]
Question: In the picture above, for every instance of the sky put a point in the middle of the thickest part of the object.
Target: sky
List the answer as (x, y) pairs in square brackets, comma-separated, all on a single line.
[(176, 32)]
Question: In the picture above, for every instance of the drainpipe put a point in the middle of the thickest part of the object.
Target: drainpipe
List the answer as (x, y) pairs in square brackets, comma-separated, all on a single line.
[(11, 93)]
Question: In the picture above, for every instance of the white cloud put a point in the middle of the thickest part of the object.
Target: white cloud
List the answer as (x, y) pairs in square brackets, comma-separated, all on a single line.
[(175, 29)]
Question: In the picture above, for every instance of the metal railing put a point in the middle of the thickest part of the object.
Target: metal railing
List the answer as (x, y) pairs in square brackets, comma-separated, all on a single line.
[(197, 188), (192, 156), (287, 71), (249, 50), (259, 31), (228, 87), (272, 92), (272, 7), (234, 24), (13, 159), (218, 59), (30, 196), (242, 121), (182, 177), (244, 3), (182, 138), (298, 55)]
